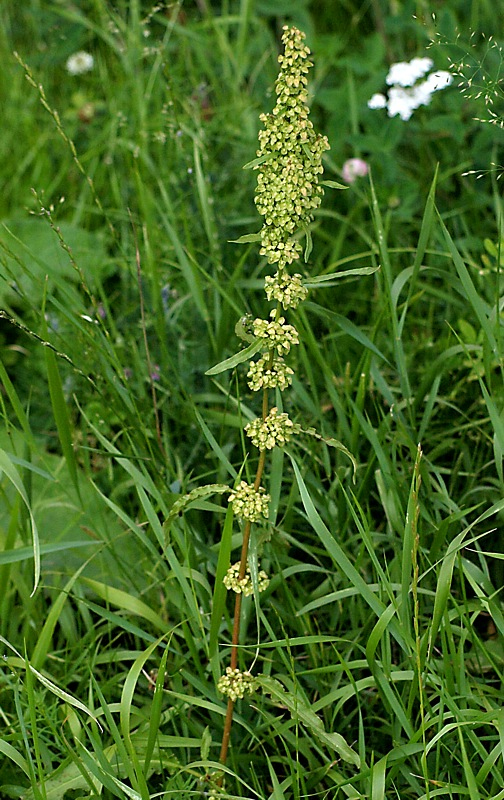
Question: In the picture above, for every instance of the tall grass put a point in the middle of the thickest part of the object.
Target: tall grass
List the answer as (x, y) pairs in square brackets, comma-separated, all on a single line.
[(383, 620)]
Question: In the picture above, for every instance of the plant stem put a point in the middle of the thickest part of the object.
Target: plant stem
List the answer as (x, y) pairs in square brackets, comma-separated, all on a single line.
[(237, 609)]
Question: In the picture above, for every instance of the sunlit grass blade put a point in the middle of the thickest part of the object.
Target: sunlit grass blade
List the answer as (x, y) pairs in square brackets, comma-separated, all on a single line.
[(126, 602), (338, 555), (12, 474), (220, 592), (44, 639), (477, 304), (156, 710), (423, 241)]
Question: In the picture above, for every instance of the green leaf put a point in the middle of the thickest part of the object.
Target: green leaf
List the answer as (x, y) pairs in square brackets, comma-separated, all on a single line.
[(445, 575), (309, 243), (68, 776), (60, 409), (126, 602), (333, 185), (67, 698), (312, 283), (257, 161), (479, 306), (348, 327), (206, 742), (44, 639), (243, 328), (9, 751), (338, 555), (238, 358), (334, 443), (220, 591), (246, 238)]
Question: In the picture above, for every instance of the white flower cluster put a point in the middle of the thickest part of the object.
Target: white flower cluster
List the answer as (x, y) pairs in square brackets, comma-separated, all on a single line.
[(243, 585), (406, 93), (236, 684)]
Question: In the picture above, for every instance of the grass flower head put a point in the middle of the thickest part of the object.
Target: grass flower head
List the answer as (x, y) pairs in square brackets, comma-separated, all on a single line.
[(236, 684), (277, 333)]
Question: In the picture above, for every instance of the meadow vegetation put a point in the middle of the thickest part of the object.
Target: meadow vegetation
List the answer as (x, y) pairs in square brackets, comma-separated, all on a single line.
[(378, 643)]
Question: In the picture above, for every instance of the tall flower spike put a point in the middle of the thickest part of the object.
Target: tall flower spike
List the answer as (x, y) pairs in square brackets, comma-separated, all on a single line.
[(288, 166), (287, 184)]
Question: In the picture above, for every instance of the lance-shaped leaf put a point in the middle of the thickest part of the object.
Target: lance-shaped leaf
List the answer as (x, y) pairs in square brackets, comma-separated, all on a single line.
[(199, 493), (312, 283), (246, 238), (334, 185), (256, 162), (238, 358)]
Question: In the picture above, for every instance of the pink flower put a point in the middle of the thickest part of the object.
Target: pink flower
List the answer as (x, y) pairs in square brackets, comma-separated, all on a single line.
[(354, 168)]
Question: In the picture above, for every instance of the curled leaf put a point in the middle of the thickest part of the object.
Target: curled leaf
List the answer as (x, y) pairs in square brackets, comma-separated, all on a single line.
[(301, 712)]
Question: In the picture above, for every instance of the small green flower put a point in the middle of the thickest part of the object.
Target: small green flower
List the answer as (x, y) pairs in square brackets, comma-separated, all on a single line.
[(276, 332), (236, 684), (263, 375), (274, 431), (244, 585), (249, 503), (287, 289)]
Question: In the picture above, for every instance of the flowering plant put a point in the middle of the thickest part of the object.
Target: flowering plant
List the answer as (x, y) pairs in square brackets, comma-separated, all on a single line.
[(289, 166)]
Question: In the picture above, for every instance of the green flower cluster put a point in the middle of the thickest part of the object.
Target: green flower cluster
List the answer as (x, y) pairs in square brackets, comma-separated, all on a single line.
[(287, 289), (267, 373), (287, 184), (289, 165), (276, 333), (243, 585), (236, 684), (249, 503), (273, 431)]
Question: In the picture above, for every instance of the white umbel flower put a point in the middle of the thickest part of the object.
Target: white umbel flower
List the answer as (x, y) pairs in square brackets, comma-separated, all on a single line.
[(406, 73), (378, 100), (406, 91), (439, 80)]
